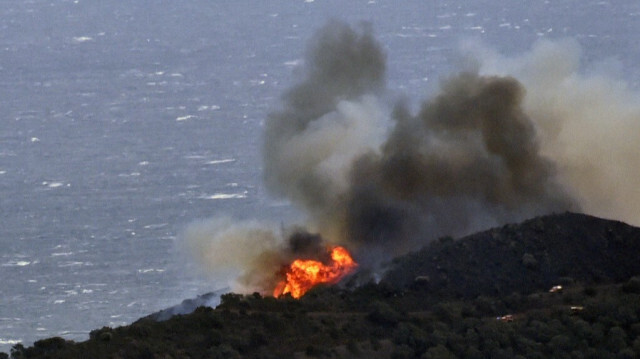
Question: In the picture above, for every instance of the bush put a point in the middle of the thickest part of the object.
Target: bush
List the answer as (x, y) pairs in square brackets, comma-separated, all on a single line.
[(561, 342), (315, 351), (353, 348), (54, 343), (402, 352), (590, 291), (446, 312), (233, 301), (616, 339), (382, 314), (223, 352), (17, 351), (412, 336), (473, 353), (632, 285), (529, 261), (438, 352), (626, 353)]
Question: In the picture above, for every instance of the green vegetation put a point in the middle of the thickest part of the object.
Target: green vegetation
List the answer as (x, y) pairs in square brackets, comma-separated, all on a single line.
[(373, 323), (423, 308)]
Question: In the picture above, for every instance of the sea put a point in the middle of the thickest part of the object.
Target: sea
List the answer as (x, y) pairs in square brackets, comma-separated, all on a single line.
[(122, 122)]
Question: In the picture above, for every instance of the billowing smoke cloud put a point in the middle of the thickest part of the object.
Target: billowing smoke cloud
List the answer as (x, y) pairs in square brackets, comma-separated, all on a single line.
[(328, 120), (249, 255), (588, 123), (227, 248), (470, 158), (504, 140)]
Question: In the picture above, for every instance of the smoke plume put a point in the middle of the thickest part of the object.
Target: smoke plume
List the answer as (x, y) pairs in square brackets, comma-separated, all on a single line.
[(588, 122), (254, 249), (327, 121), (501, 141)]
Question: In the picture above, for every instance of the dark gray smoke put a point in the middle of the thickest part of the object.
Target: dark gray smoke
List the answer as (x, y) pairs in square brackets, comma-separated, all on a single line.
[(302, 138), (485, 150), (469, 158)]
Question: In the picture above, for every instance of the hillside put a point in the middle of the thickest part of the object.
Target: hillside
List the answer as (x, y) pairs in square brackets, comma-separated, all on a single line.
[(440, 302), (523, 258)]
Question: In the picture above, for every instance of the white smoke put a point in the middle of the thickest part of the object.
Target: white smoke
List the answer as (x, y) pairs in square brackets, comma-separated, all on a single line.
[(588, 121), (227, 248)]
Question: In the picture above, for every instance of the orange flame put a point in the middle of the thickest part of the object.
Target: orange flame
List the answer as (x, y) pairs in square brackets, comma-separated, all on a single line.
[(303, 275)]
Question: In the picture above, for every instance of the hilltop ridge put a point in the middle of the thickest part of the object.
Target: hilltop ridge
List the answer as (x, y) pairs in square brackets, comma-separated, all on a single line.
[(525, 257)]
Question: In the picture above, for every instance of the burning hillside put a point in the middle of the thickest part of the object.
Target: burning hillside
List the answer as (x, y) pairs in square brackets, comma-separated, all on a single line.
[(448, 312), (304, 274), (488, 148)]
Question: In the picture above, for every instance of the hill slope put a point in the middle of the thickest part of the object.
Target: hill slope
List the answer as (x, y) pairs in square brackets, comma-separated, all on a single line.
[(448, 312), (531, 256)]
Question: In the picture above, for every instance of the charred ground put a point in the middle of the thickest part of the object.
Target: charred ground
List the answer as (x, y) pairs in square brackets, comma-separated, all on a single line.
[(439, 302)]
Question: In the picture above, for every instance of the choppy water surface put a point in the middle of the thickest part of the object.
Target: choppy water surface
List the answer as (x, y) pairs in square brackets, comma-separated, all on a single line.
[(122, 123)]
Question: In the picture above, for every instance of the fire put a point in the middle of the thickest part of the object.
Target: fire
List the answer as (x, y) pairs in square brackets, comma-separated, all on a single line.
[(303, 275)]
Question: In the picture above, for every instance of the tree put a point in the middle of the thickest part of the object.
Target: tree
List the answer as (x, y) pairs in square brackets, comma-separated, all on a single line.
[(17, 351), (382, 314), (616, 339)]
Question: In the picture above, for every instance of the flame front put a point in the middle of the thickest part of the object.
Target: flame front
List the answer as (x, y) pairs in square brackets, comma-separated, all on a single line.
[(303, 275)]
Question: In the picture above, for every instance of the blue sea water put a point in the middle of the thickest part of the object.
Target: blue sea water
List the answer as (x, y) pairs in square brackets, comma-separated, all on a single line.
[(123, 122)]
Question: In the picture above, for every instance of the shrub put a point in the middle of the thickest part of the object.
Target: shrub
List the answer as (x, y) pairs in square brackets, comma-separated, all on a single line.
[(223, 352), (98, 333), (382, 314), (315, 351), (402, 352), (353, 348), (590, 291), (561, 342), (54, 343), (616, 339), (17, 351), (632, 285), (529, 261), (438, 352), (626, 353)]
